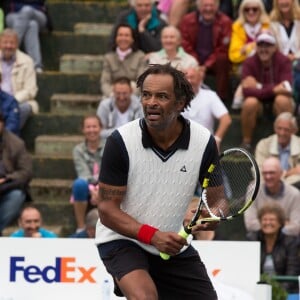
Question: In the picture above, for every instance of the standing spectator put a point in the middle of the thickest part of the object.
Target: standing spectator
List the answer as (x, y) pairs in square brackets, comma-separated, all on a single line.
[(124, 60), (172, 51), (30, 222), (10, 111), (18, 74), (206, 35), (87, 160), (206, 107), (15, 175), (141, 183), (251, 20), (273, 189), (28, 19), (279, 252), (266, 82), (285, 18), (285, 145), (120, 108), (144, 18), (90, 222)]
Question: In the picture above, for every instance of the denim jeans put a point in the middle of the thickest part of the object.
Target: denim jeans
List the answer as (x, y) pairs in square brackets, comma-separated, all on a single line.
[(10, 206), (80, 190)]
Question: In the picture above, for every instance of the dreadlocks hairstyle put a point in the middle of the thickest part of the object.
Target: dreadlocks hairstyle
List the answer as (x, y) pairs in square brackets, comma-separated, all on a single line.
[(182, 88)]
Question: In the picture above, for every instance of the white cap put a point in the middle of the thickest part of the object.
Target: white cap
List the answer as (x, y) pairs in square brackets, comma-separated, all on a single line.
[(266, 37)]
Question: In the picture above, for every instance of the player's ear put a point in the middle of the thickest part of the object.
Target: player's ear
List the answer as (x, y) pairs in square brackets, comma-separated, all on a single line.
[(180, 105)]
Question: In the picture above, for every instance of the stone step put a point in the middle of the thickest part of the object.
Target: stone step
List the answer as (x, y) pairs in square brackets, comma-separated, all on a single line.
[(52, 191), (53, 82), (103, 29), (57, 43), (65, 14), (50, 124), (53, 167), (74, 103), (59, 145), (81, 63)]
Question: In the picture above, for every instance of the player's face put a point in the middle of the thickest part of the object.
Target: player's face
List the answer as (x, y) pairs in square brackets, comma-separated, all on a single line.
[(91, 129), (30, 221), (122, 93), (208, 9), (269, 224), (124, 39), (8, 45), (161, 109), (143, 8), (284, 131)]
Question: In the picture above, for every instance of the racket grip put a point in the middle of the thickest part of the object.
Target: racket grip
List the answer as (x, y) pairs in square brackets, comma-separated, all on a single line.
[(183, 234)]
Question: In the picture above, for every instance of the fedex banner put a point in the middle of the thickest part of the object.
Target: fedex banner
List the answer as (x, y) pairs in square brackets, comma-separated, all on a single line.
[(64, 268)]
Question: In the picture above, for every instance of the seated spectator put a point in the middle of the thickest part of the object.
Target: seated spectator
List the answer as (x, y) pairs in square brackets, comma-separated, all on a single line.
[(206, 35), (279, 252), (251, 20), (144, 18), (30, 222), (90, 222), (10, 111), (28, 19), (206, 107), (273, 189), (87, 159), (266, 82), (124, 59), (120, 108), (285, 22), (15, 175), (172, 51), (172, 11), (18, 74), (285, 145)]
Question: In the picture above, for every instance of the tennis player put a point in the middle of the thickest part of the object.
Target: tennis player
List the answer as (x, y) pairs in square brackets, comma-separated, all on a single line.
[(150, 170)]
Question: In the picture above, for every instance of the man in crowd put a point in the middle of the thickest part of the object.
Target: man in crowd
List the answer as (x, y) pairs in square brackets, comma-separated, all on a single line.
[(266, 83), (285, 145), (206, 107), (15, 175), (274, 189), (30, 223), (123, 106), (206, 35), (18, 74)]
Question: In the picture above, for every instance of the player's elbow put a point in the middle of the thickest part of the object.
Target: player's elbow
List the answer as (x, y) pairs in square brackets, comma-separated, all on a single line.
[(104, 212)]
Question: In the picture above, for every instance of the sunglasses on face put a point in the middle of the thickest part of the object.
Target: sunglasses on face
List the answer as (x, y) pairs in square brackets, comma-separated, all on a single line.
[(249, 9)]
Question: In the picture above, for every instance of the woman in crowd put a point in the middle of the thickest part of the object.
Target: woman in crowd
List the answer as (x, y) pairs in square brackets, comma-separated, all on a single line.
[(285, 22), (251, 21), (87, 159), (279, 252), (124, 59), (172, 51)]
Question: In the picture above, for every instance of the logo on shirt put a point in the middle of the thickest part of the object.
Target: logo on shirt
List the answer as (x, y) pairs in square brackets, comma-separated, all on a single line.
[(183, 169)]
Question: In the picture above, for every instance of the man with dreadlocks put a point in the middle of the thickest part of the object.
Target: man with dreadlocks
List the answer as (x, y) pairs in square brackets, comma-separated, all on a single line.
[(150, 170)]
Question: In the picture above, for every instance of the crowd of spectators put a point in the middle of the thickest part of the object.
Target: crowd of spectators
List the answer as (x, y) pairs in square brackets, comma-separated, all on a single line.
[(255, 41)]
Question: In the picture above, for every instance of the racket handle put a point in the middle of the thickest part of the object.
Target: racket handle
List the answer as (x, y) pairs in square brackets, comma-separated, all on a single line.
[(183, 234)]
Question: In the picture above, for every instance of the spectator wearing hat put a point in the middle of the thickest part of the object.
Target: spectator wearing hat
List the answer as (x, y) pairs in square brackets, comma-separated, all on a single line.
[(266, 83), (15, 175)]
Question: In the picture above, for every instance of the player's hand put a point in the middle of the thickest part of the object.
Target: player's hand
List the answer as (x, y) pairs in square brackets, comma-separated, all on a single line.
[(168, 242)]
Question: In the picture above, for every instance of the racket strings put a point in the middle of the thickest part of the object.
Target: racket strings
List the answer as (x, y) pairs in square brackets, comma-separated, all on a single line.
[(231, 185)]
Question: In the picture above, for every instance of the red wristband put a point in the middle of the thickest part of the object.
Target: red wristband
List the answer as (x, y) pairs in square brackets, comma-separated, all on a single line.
[(146, 233)]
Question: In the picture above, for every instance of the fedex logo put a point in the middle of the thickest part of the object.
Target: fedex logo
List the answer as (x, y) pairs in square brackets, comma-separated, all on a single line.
[(64, 270)]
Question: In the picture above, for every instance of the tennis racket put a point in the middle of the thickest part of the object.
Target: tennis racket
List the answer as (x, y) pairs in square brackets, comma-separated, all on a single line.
[(228, 189)]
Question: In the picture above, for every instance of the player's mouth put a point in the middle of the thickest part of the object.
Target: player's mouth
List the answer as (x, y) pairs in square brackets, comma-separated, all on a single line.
[(152, 116)]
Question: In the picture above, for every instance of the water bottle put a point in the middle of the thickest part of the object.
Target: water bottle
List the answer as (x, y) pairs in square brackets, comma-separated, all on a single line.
[(106, 293)]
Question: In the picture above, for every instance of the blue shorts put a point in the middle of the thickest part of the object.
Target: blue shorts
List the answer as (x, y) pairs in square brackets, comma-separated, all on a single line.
[(183, 276)]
